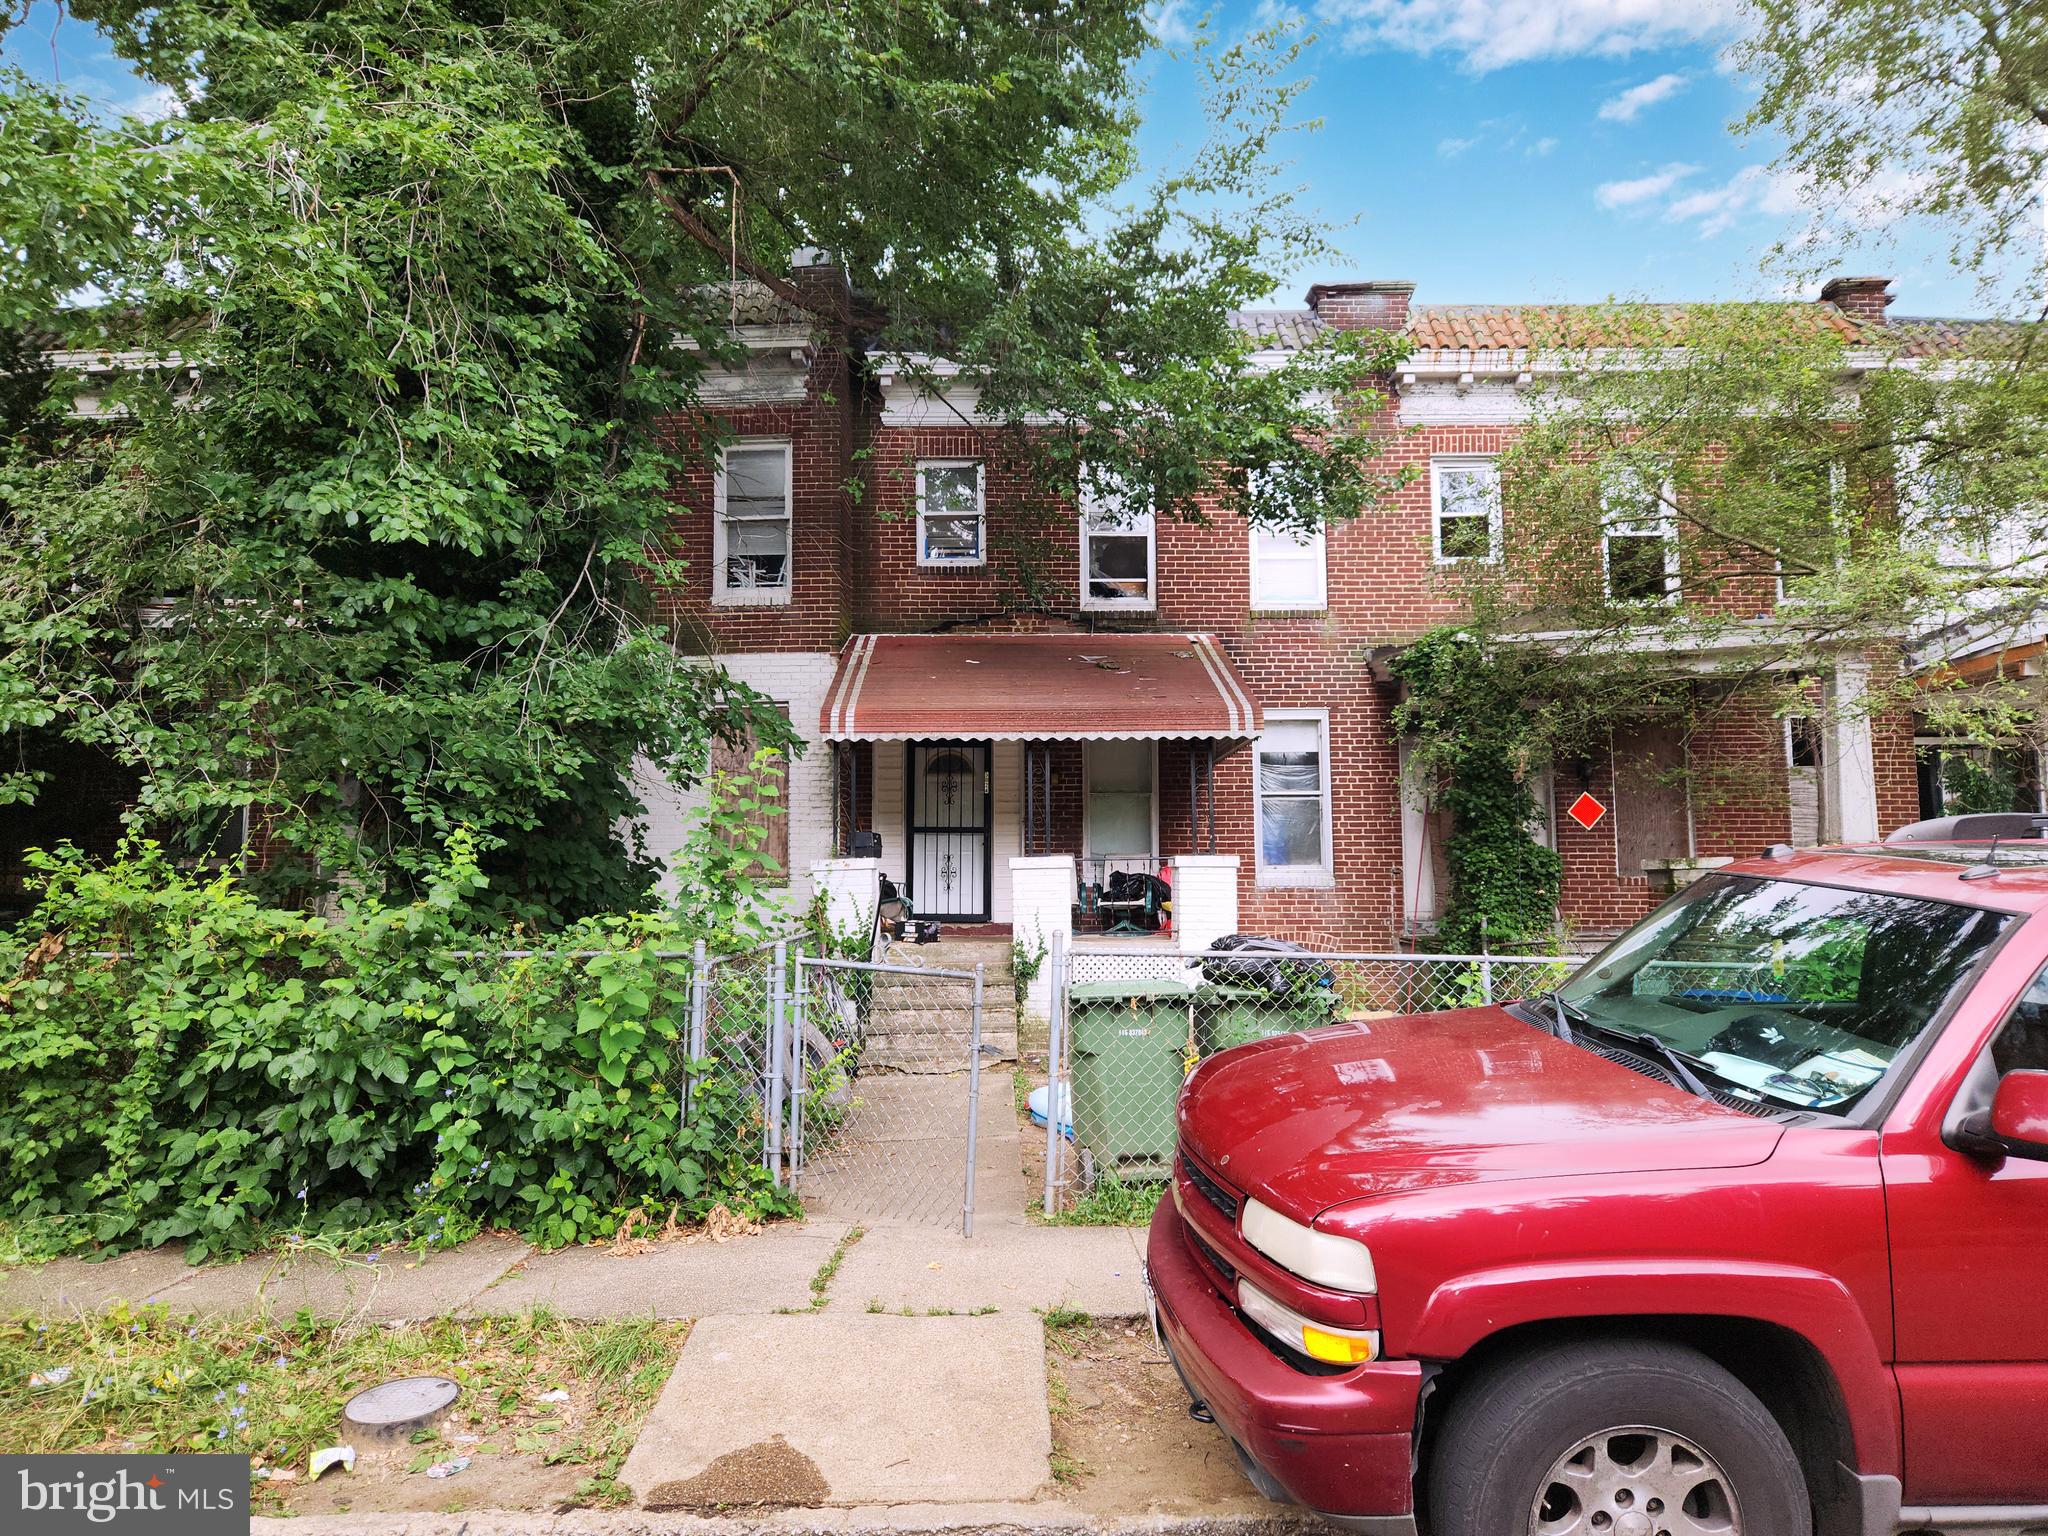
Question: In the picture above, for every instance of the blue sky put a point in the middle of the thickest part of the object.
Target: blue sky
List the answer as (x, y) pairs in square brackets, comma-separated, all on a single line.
[(1488, 150)]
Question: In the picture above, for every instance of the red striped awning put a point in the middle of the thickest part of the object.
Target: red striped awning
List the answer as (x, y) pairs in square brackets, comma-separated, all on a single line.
[(1036, 688)]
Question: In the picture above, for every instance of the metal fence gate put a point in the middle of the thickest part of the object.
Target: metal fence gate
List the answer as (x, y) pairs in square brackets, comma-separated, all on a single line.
[(889, 1087), (867, 1076), (1129, 1024)]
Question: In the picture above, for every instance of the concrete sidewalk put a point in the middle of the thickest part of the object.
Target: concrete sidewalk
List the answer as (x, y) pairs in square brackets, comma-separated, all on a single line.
[(890, 1268), (1006, 1519)]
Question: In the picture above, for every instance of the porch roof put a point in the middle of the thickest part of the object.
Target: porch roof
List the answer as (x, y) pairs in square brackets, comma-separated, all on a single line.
[(1069, 687)]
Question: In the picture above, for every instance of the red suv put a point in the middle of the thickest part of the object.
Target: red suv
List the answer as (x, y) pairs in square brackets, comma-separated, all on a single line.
[(1734, 1232)]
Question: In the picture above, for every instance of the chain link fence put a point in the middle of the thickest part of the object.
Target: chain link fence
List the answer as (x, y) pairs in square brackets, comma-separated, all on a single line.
[(891, 1091), (1130, 1024)]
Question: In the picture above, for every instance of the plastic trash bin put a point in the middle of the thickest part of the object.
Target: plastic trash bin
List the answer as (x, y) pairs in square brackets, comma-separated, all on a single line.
[(1236, 1015), (1129, 1052)]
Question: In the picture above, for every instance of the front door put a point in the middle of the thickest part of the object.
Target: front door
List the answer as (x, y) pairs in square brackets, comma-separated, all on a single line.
[(1118, 826), (1969, 1237), (948, 791)]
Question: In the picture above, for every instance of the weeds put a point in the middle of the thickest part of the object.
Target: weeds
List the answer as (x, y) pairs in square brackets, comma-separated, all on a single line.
[(1113, 1202), (139, 1380)]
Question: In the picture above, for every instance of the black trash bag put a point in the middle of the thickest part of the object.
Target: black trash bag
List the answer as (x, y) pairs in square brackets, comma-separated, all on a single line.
[(1279, 978), (1136, 887)]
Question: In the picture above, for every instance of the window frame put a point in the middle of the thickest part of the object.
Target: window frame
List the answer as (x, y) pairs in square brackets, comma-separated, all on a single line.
[(1438, 464), (1323, 873), (722, 595), (1663, 527), (1316, 547), (1782, 593), (1092, 505), (929, 562)]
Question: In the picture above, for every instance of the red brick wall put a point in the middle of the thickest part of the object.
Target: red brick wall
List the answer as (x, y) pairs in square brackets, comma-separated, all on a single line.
[(820, 434), (856, 567)]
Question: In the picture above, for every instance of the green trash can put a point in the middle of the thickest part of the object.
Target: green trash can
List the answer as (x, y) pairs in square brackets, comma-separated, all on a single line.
[(1227, 1015), (1128, 1055)]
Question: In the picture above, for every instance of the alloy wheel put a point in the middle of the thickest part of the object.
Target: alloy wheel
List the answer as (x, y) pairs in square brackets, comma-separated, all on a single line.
[(1635, 1481)]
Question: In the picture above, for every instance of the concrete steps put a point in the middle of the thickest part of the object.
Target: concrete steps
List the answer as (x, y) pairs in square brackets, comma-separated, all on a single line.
[(921, 1024)]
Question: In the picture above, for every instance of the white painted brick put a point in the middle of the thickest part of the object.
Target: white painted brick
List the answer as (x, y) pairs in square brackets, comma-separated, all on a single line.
[(1041, 893), (798, 681), (1204, 899)]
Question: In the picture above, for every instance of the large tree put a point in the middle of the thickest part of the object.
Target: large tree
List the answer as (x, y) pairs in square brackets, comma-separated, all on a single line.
[(1892, 109), (1886, 478), (406, 293)]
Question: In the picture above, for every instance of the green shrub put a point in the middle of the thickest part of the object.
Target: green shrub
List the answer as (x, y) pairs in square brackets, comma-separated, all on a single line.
[(180, 1061)]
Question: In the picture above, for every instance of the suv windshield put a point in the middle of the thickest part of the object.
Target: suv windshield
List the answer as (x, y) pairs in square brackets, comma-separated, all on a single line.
[(1799, 994)]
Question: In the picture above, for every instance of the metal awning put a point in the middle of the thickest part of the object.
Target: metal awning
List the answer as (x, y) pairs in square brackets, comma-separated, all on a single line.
[(1068, 687)]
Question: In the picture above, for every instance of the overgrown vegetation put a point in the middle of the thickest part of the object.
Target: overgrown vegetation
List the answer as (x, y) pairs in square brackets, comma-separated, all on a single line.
[(416, 304), (180, 1062), (143, 1380), (1478, 736)]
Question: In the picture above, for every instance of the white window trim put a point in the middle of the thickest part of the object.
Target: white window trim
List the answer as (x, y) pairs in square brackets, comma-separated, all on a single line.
[(244, 825), (723, 596), (1322, 874), (1320, 548), (947, 563), (1150, 601), (1664, 526), (1437, 464)]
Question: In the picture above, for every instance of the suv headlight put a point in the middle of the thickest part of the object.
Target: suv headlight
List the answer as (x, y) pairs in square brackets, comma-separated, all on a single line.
[(1322, 1258)]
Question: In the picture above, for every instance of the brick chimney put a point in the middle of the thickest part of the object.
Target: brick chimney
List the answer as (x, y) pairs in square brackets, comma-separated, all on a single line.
[(818, 276), (1378, 306), (1862, 299)]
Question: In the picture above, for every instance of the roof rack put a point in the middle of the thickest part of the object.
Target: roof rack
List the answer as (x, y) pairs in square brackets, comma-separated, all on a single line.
[(1984, 826)]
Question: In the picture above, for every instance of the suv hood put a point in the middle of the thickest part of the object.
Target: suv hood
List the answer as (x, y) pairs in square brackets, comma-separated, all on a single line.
[(1307, 1121)]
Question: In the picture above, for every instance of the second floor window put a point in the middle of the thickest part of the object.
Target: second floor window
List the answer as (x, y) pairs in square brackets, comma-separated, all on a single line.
[(751, 526), (1639, 544), (1465, 493), (951, 520), (1117, 550), (1288, 569)]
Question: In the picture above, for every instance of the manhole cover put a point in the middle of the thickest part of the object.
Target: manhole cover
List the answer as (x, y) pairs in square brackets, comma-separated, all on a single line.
[(395, 1409)]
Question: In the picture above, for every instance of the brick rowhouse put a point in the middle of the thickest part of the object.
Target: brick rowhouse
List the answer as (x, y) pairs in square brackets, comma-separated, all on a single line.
[(858, 427)]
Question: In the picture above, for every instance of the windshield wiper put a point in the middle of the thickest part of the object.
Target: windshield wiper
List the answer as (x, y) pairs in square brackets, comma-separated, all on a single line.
[(1562, 1013), (1660, 1051)]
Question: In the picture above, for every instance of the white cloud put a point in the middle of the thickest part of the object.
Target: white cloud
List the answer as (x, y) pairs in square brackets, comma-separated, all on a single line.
[(1642, 189), (1450, 149), (1542, 147), (1629, 105), (1169, 23), (1487, 34)]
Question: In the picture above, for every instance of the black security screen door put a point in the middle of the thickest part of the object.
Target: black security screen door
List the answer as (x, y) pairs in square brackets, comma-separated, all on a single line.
[(948, 792)]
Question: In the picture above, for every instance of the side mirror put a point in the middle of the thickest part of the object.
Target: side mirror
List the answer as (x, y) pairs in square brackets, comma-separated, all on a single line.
[(2016, 1125)]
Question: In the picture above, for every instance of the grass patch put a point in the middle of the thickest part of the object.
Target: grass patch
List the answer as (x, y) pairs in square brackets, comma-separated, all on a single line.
[(821, 1282), (140, 1380), (1113, 1202)]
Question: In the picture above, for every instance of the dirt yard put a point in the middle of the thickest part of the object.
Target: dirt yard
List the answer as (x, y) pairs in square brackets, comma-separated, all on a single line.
[(1122, 1441)]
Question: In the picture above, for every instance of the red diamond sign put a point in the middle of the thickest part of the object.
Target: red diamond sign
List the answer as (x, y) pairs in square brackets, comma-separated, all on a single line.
[(1586, 811)]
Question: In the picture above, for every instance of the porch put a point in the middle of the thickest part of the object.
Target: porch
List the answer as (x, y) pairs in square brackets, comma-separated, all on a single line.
[(1034, 784)]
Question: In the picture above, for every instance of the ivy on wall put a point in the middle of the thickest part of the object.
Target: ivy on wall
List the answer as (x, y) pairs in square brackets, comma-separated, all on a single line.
[(1476, 741)]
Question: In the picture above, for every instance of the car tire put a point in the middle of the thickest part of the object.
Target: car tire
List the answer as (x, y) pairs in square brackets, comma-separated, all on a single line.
[(1653, 1436)]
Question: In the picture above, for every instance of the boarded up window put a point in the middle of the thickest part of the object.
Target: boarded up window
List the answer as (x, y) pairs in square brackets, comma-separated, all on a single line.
[(769, 785), (1652, 808)]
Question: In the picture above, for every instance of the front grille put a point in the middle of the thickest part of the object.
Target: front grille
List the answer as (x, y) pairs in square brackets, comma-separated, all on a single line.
[(1217, 1262), (1213, 1192)]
